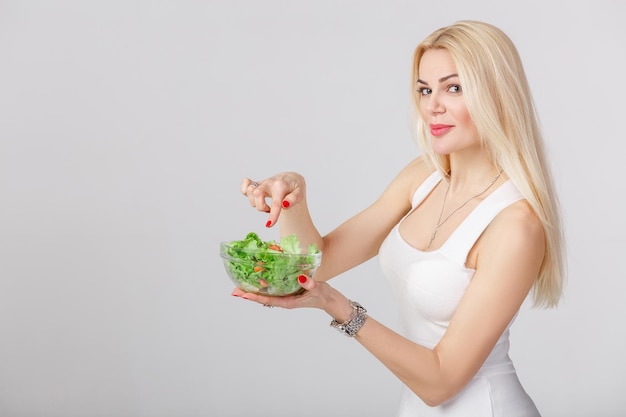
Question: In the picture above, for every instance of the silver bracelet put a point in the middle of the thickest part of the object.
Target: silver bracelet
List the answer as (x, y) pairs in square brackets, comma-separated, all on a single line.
[(357, 318)]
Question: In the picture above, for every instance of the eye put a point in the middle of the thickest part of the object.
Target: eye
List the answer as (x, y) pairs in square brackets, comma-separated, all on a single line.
[(424, 91), (454, 88)]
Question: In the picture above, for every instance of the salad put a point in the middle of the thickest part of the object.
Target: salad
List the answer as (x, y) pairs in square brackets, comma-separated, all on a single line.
[(269, 267)]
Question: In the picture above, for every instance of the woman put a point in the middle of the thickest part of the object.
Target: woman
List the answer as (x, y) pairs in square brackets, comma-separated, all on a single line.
[(464, 233)]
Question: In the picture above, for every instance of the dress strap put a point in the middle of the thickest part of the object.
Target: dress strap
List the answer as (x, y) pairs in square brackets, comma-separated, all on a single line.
[(462, 240)]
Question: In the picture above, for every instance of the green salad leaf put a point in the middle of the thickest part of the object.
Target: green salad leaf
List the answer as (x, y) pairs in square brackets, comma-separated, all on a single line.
[(268, 266)]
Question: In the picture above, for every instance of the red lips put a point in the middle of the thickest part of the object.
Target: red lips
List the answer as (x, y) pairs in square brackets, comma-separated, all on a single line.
[(438, 130)]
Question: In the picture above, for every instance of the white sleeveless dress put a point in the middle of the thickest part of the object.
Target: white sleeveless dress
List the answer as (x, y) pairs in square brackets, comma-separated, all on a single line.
[(428, 286)]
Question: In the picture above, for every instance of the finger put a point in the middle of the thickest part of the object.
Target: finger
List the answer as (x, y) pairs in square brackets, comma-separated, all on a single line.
[(266, 301), (248, 185), (292, 198), (258, 198), (284, 194), (306, 282), (238, 292), (245, 185), (255, 192), (274, 211)]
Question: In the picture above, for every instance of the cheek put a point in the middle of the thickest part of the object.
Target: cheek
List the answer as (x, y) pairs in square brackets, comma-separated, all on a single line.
[(463, 117)]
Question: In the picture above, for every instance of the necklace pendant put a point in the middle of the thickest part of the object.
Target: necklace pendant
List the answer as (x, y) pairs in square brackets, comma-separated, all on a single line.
[(432, 237), (443, 205)]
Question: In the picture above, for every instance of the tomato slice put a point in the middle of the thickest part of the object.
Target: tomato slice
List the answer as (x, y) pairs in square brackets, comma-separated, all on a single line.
[(275, 247)]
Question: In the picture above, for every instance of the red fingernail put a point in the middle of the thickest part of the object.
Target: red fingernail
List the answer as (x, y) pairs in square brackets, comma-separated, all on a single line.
[(285, 204), (302, 279), (268, 224)]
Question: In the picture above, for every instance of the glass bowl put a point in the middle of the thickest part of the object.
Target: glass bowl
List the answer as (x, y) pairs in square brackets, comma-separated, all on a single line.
[(268, 272)]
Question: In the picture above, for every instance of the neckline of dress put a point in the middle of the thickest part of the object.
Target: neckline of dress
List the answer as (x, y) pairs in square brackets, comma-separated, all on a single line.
[(445, 242)]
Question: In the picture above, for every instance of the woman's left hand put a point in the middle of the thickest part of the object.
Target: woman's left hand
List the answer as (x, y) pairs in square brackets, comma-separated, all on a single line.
[(309, 298), (316, 295)]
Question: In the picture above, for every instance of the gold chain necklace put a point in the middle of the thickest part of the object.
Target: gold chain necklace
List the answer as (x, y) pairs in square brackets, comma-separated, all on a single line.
[(440, 222)]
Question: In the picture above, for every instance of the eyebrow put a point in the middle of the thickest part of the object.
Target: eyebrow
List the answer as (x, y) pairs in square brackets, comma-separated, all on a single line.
[(442, 79)]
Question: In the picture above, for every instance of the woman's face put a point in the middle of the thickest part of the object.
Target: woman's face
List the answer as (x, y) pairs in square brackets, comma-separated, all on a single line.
[(442, 105)]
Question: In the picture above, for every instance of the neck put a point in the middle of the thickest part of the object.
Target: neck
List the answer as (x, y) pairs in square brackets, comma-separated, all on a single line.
[(471, 175), (476, 177)]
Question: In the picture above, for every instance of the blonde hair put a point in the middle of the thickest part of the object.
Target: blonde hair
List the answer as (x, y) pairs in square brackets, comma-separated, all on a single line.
[(500, 104)]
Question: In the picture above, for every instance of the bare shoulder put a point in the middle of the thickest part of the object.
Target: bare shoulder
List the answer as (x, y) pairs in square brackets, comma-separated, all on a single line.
[(519, 222), (414, 173), (516, 234), (395, 201), (419, 166)]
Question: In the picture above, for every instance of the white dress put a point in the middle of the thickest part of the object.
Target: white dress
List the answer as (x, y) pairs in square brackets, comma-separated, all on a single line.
[(428, 286)]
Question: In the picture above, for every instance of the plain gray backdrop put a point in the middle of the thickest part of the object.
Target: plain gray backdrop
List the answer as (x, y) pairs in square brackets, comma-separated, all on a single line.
[(126, 128)]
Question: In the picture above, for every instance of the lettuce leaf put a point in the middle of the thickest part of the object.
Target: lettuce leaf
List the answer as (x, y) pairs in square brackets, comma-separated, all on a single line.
[(262, 266)]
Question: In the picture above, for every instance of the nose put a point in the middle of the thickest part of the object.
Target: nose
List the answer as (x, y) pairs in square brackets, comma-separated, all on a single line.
[(434, 104)]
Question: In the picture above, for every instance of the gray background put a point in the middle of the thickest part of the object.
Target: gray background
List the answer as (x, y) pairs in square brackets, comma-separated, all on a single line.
[(125, 129)]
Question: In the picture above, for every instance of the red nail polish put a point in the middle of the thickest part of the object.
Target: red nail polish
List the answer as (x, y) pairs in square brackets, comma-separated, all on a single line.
[(302, 279), (285, 204), (268, 224)]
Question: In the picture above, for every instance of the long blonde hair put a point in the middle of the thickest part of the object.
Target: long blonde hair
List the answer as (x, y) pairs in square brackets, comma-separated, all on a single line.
[(499, 101)]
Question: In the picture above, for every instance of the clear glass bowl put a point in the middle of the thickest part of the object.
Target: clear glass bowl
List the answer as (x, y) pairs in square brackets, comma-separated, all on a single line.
[(275, 274)]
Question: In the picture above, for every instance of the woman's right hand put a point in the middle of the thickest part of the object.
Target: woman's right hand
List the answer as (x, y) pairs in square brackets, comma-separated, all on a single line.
[(283, 190)]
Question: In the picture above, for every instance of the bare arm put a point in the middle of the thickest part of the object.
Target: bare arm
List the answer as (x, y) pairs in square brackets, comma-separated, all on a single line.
[(505, 271), (508, 258), (353, 242)]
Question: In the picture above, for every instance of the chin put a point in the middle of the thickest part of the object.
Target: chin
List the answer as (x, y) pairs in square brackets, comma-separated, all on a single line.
[(442, 150)]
